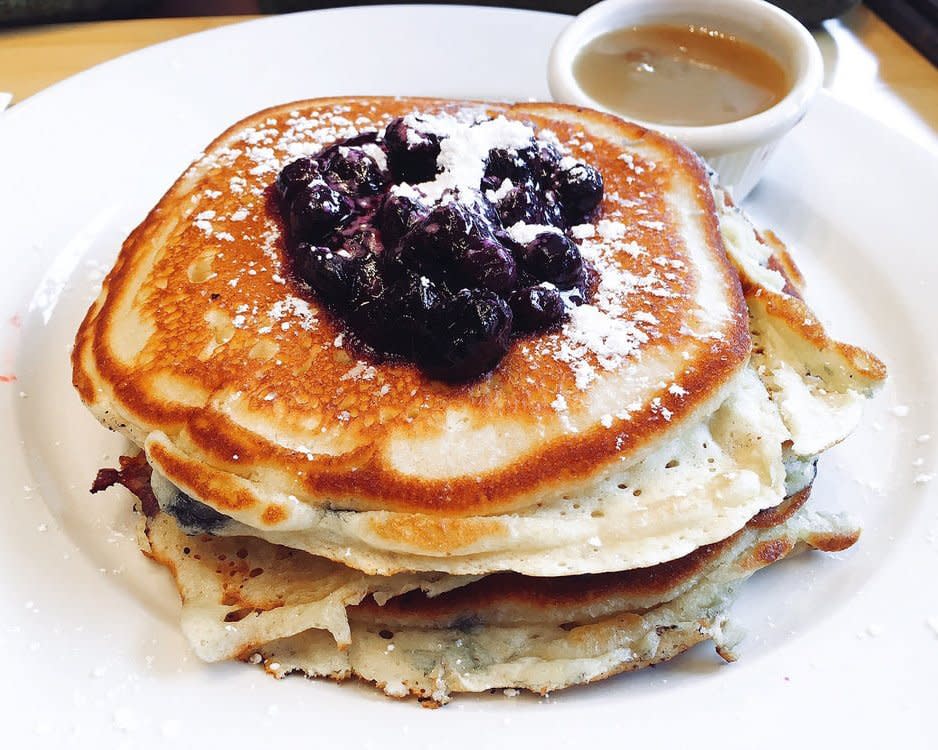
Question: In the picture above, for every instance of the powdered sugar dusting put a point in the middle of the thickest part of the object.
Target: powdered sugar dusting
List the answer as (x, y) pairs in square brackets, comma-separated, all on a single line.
[(523, 233), (294, 307)]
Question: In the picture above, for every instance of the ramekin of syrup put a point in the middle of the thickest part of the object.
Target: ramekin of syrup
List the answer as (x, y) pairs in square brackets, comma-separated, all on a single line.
[(728, 78)]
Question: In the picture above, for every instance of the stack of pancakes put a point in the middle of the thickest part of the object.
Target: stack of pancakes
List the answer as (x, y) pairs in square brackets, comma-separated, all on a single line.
[(587, 508)]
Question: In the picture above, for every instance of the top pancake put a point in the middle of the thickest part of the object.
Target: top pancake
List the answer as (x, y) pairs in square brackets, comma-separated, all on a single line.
[(233, 376)]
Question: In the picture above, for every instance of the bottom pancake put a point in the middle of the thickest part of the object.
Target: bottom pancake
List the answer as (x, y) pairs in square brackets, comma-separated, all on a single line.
[(431, 635)]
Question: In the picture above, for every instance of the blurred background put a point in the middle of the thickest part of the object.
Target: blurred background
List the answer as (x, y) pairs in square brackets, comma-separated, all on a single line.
[(916, 20), (869, 48)]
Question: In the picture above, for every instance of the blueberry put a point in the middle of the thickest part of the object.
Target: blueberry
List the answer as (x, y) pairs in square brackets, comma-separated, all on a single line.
[(374, 312), (364, 240), (295, 176), (432, 243), (418, 252), (535, 164), (581, 191), (395, 217), (366, 279), (369, 136), (423, 307), (486, 263), (547, 161), (527, 203), (508, 164), (374, 323), (412, 153), (520, 204), (552, 210), (316, 210), (476, 336), (353, 171), (487, 221), (554, 258), (516, 248), (535, 308), (194, 517), (328, 272)]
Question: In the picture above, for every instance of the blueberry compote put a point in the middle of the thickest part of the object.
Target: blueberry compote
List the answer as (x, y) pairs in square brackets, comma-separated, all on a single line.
[(438, 242)]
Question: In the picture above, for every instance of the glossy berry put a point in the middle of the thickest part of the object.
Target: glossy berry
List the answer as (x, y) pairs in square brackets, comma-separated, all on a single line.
[(353, 171), (486, 221), (581, 190), (412, 154), (433, 242), (547, 162), (488, 264), (553, 210), (508, 164), (536, 308), (554, 258), (366, 279), (395, 217), (373, 324), (295, 176), (535, 164), (328, 272), (477, 335), (423, 306), (369, 136), (528, 204), (451, 224), (364, 240), (316, 210), (516, 248)]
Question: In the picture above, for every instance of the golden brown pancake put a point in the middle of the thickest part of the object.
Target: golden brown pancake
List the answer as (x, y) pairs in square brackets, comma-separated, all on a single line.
[(587, 508), (245, 394), (163, 344)]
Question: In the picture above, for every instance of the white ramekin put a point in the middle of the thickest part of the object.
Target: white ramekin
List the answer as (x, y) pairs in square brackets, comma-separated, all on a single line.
[(737, 150)]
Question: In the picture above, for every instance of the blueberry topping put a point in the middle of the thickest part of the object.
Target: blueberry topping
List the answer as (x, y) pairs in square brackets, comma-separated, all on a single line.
[(486, 263), (364, 240), (554, 258), (353, 171), (477, 336), (536, 308), (366, 280), (507, 164), (528, 204), (434, 242), (547, 161), (316, 210), (438, 280), (581, 190), (395, 217), (487, 220), (328, 272), (375, 321), (360, 139), (295, 176), (412, 154), (423, 306)]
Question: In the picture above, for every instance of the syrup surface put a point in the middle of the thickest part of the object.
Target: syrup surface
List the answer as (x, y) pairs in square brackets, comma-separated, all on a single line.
[(680, 75)]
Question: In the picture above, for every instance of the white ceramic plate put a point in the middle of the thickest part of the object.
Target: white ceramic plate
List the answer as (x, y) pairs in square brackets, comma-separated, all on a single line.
[(841, 649)]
